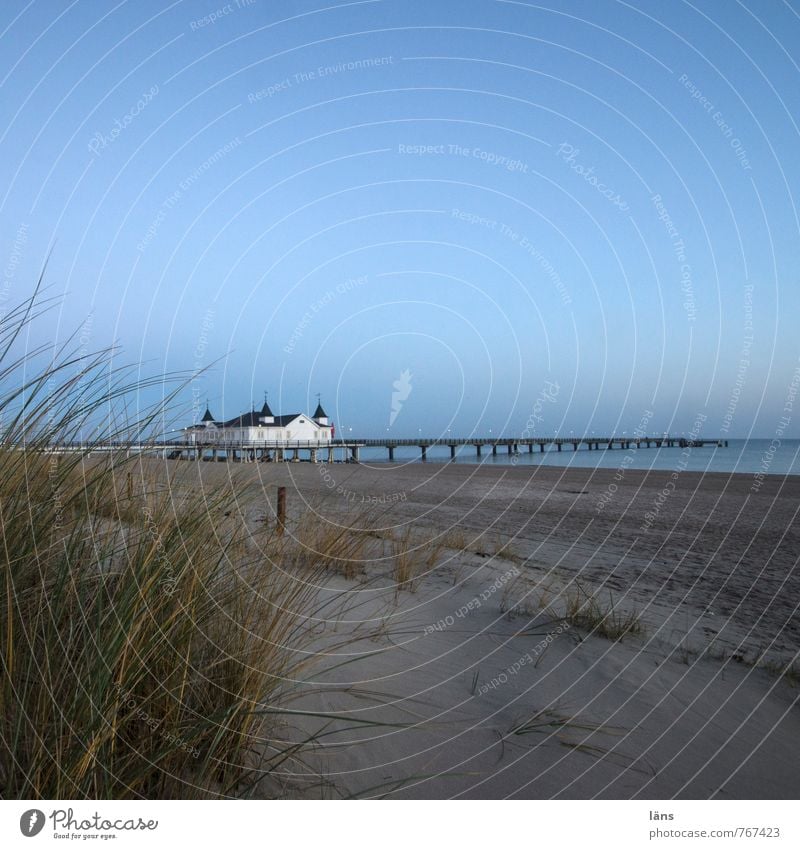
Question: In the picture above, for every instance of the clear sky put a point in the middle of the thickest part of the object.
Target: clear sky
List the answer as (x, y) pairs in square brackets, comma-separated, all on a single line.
[(568, 216)]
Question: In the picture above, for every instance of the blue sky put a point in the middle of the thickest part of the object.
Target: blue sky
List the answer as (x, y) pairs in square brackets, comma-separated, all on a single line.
[(497, 197)]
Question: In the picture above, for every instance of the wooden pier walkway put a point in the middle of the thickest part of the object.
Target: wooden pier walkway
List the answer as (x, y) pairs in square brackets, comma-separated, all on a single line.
[(349, 450), (513, 445)]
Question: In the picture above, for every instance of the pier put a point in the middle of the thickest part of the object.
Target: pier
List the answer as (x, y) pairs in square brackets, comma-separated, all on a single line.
[(341, 450), (514, 445), (250, 451)]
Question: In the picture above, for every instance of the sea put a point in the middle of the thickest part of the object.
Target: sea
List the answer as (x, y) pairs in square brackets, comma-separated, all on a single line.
[(744, 456)]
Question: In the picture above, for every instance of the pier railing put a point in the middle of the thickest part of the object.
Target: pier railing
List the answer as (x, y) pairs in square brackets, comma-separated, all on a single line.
[(540, 440)]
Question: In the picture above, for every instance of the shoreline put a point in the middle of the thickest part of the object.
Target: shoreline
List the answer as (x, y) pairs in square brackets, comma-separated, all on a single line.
[(545, 473), (505, 463), (629, 470)]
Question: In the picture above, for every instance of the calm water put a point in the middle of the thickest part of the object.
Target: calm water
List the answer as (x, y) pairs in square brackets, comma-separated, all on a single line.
[(745, 456)]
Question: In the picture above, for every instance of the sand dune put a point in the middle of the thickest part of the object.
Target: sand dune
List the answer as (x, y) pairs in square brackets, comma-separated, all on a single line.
[(483, 687)]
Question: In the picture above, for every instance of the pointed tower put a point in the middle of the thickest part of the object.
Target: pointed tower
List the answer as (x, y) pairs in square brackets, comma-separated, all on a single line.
[(320, 416), (265, 416), (207, 419)]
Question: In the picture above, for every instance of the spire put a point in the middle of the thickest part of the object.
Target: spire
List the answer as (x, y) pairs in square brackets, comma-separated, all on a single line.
[(319, 413), (207, 417), (265, 410)]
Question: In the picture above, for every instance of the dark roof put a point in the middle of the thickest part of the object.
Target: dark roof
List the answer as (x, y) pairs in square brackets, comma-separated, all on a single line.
[(245, 420), (252, 420), (319, 413), (265, 410), (284, 420), (207, 417)]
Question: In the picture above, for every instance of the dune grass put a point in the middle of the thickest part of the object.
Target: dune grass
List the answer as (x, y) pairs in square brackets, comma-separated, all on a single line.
[(585, 610), (570, 601), (407, 560), (148, 637)]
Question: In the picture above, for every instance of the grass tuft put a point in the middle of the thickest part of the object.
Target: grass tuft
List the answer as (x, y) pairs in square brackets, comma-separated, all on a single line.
[(574, 604), (584, 610)]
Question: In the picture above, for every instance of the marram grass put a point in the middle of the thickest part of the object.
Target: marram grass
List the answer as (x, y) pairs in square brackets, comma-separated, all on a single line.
[(147, 638)]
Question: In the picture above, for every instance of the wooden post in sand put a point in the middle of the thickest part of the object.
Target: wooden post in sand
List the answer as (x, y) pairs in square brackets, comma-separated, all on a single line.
[(281, 510)]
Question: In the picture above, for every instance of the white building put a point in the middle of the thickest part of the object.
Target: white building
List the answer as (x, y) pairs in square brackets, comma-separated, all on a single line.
[(259, 427)]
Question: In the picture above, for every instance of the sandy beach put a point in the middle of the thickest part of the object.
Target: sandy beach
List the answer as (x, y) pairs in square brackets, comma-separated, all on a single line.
[(475, 682)]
